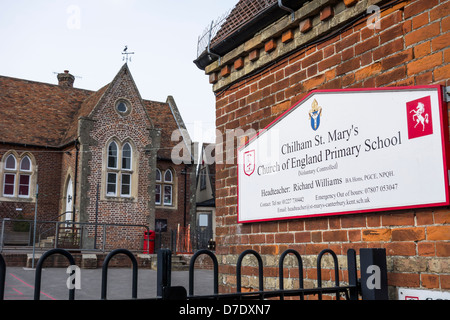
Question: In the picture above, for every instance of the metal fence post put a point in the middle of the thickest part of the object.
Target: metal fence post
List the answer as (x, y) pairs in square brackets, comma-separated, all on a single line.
[(300, 270), (37, 279), (164, 271), (56, 235), (105, 272), (319, 271), (2, 233), (104, 238), (2, 277), (373, 274), (192, 266), (352, 274), (260, 268)]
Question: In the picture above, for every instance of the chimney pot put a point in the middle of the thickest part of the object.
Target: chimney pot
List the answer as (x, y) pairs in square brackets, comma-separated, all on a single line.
[(66, 79)]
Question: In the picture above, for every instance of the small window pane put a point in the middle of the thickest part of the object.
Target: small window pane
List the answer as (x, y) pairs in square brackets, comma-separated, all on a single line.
[(126, 157), (122, 107), (8, 184), (10, 162), (112, 155), (168, 176), (158, 194), (25, 164), (126, 185), (203, 220), (168, 195), (24, 185), (158, 175), (111, 185)]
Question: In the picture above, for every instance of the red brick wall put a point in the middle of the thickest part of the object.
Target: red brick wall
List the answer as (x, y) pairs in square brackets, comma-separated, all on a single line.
[(109, 124), (410, 48), (95, 131), (175, 214)]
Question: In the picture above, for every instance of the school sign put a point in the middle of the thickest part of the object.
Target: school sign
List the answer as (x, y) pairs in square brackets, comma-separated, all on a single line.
[(347, 151)]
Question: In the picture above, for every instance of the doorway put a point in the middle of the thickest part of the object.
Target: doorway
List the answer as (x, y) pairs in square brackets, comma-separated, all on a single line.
[(204, 229), (69, 201)]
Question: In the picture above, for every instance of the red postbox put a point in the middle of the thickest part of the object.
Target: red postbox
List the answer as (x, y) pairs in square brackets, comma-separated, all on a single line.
[(149, 241)]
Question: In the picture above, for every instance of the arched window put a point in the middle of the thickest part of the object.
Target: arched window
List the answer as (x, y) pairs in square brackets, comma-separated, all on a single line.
[(119, 173), (112, 155), (9, 179), (25, 164), (168, 180), (168, 176), (10, 162), (126, 156), (17, 178), (24, 177), (164, 188)]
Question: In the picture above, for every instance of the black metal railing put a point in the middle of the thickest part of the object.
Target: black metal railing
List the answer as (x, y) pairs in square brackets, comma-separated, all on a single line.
[(165, 291), (40, 264), (105, 272), (350, 291), (73, 240)]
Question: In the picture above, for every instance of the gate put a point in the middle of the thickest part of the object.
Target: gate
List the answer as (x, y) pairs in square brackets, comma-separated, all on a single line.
[(372, 286)]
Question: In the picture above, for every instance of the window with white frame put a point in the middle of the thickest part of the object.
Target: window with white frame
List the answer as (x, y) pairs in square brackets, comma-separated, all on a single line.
[(17, 173), (158, 187), (119, 169), (164, 188), (168, 181)]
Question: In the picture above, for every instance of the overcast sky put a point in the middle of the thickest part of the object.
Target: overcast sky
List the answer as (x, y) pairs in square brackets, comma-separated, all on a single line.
[(42, 37)]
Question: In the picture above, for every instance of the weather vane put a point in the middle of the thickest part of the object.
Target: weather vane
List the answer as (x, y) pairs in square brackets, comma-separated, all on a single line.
[(126, 58)]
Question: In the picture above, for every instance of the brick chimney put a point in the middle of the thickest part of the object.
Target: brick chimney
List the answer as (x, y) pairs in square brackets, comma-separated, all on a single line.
[(66, 79)]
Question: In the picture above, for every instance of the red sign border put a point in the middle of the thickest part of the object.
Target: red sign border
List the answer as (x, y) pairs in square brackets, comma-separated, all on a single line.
[(445, 143)]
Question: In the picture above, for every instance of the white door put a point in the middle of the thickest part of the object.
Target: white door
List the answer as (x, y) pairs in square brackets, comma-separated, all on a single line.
[(69, 200)]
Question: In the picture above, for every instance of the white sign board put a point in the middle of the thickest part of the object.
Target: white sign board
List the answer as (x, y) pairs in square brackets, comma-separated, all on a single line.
[(347, 151), (417, 294)]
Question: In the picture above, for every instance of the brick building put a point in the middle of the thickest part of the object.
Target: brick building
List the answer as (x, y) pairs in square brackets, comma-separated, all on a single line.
[(263, 60), (205, 196), (96, 156)]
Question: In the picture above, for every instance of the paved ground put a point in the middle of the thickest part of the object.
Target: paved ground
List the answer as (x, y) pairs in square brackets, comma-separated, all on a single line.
[(20, 283)]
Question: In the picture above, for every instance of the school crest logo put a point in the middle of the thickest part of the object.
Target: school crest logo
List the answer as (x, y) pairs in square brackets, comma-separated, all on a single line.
[(314, 115), (419, 117), (249, 162)]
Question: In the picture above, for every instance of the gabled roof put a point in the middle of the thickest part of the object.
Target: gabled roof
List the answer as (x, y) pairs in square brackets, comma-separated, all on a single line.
[(35, 113), (163, 119), (83, 111), (42, 114)]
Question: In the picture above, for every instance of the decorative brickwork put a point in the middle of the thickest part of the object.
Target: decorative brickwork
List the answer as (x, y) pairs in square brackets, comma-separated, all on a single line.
[(67, 132), (134, 128), (410, 47)]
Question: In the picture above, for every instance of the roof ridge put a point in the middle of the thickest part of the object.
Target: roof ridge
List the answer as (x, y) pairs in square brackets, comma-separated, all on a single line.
[(45, 83)]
